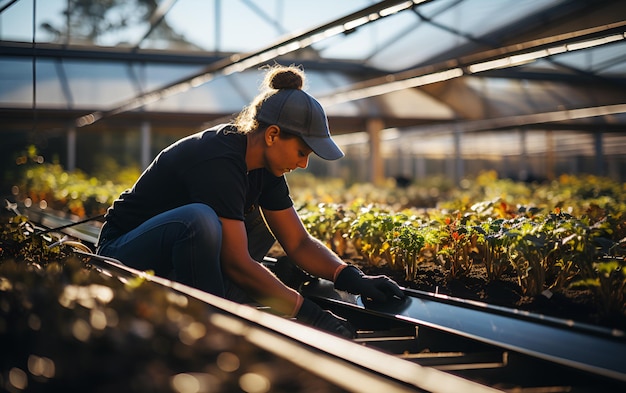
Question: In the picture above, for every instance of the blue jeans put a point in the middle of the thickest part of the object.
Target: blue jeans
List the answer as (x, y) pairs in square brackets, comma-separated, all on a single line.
[(184, 244)]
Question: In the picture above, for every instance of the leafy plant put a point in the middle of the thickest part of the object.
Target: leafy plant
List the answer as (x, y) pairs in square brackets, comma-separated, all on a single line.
[(369, 233), (529, 248), (493, 222), (457, 241), (328, 223), (406, 244), (20, 241), (494, 242), (65, 326), (48, 185), (609, 285)]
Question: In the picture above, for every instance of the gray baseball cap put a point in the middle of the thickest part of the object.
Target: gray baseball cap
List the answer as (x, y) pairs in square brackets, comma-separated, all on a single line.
[(298, 113)]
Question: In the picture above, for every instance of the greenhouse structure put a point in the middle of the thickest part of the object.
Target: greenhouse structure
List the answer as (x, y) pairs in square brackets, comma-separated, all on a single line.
[(531, 89), (472, 239)]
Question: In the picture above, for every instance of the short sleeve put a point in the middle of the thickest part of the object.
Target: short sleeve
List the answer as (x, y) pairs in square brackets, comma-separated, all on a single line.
[(275, 194)]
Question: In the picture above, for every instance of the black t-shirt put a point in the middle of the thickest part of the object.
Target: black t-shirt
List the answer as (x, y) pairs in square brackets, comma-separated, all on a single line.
[(208, 167)]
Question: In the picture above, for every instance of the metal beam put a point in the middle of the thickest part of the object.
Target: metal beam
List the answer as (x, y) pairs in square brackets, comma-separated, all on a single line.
[(522, 120), (10, 3), (479, 62), (240, 62)]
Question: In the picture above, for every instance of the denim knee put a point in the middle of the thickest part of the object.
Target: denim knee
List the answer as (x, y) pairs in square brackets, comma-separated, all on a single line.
[(203, 220)]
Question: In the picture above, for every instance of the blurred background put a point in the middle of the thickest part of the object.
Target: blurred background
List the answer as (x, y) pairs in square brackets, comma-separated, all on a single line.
[(531, 89)]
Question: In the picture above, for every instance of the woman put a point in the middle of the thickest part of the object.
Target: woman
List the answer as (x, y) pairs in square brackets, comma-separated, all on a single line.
[(198, 213)]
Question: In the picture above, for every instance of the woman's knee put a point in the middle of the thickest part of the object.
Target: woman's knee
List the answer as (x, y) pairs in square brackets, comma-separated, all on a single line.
[(203, 220)]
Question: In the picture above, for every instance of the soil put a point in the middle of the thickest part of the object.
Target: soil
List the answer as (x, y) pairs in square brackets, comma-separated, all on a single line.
[(579, 305)]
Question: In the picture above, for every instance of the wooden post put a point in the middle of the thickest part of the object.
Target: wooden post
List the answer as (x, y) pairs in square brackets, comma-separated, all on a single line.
[(145, 144), (377, 166), (599, 150), (550, 156), (71, 148)]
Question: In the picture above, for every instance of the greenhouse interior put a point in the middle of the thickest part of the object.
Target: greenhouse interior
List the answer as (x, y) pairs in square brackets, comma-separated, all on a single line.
[(530, 89), (472, 238)]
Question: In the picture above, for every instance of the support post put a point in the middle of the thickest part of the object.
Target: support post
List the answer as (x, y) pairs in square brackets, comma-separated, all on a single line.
[(145, 144), (377, 166), (550, 156), (71, 148), (599, 151), (523, 173), (459, 169)]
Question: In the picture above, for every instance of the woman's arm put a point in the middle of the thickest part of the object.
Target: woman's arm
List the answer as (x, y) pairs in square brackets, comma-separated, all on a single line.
[(252, 276), (309, 253), (317, 259), (263, 286)]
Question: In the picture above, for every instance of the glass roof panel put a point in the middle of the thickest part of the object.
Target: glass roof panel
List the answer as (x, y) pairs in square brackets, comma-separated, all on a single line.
[(124, 25), (609, 59), (368, 40), (219, 95), (391, 44), (16, 22), (51, 81), (195, 21), (478, 17), (416, 47), (439, 29), (245, 26), (16, 80), (99, 84), (514, 97), (155, 75)]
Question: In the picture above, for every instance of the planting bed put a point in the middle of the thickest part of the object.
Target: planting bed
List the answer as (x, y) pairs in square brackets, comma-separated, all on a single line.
[(67, 324), (556, 247), (578, 305)]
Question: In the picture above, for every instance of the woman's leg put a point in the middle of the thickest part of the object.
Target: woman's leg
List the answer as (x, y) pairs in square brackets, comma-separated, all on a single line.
[(183, 244)]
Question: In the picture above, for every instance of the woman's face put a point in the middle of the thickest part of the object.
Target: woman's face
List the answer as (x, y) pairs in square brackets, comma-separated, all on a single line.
[(286, 153)]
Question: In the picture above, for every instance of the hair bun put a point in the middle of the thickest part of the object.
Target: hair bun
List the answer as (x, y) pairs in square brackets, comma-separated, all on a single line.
[(285, 78)]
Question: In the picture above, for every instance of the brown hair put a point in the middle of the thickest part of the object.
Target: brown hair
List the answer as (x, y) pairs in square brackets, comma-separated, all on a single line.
[(277, 77)]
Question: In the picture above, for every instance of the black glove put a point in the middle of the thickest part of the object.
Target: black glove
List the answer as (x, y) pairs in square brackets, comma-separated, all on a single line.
[(312, 314), (376, 288), (290, 274)]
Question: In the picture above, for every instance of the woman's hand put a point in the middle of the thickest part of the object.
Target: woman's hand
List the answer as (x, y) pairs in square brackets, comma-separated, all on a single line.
[(376, 288)]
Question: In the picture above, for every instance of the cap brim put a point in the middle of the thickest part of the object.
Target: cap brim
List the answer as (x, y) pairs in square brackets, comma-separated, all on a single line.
[(324, 147)]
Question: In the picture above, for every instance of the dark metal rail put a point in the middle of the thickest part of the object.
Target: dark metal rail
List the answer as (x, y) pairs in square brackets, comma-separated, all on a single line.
[(347, 364), (497, 346)]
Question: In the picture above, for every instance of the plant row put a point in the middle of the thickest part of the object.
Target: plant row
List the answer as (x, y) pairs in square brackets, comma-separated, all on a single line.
[(551, 235), (65, 326), (544, 250)]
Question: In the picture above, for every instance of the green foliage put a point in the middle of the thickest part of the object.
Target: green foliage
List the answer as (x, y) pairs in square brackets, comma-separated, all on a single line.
[(550, 235), (49, 185), (69, 327), (609, 285), (407, 242), (369, 232), (457, 239), (328, 223), (19, 241)]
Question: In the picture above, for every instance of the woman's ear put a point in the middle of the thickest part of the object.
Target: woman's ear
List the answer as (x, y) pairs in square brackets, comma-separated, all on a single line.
[(272, 133)]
